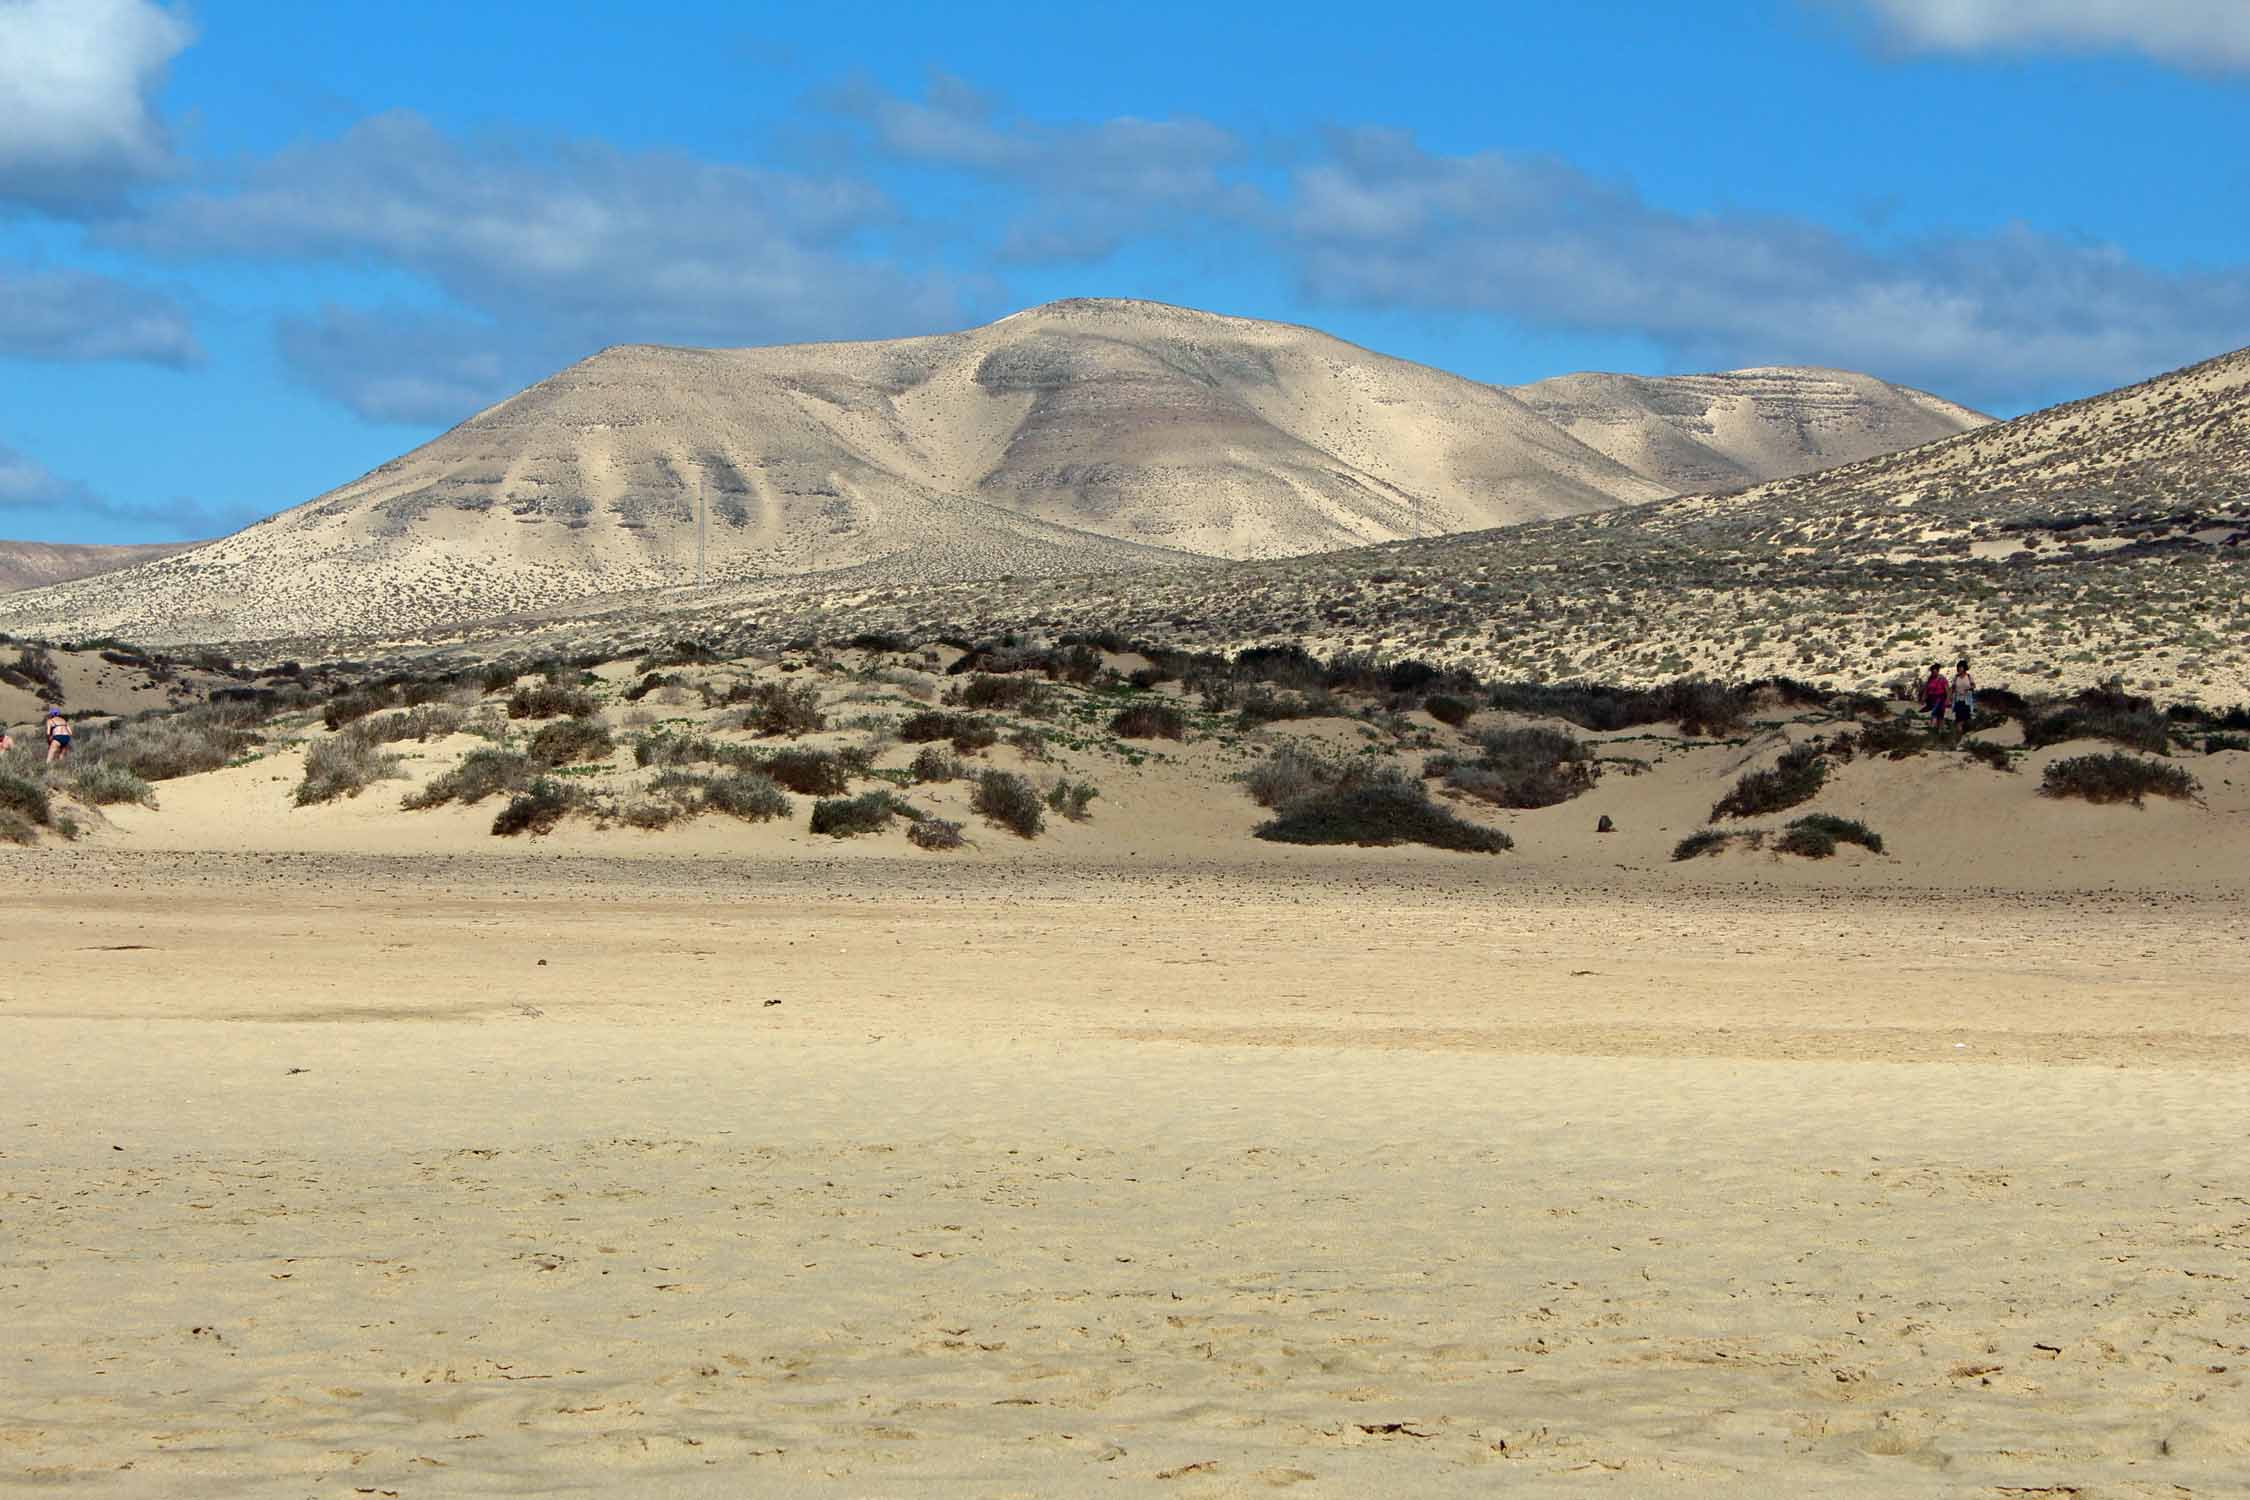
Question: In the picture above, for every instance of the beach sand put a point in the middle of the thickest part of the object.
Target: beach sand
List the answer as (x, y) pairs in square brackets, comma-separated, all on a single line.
[(333, 1176)]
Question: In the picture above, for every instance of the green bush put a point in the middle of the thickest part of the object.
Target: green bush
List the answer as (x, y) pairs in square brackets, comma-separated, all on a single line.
[(935, 833), (358, 703), (1027, 694), (108, 784), (27, 798), (2098, 713), (15, 828), (1793, 780), (344, 765), (967, 732), (483, 773), (810, 773), (841, 817), (427, 721), (933, 764), (1995, 756), (747, 795), (1149, 721), (569, 742), (1895, 737), (1010, 801), (1702, 841), (1525, 768), (1072, 798), (536, 809), (1382, 809), (1447, 709), (2116, 777), (1816, 835), (783, 708), (1293, 772), (548, 700)]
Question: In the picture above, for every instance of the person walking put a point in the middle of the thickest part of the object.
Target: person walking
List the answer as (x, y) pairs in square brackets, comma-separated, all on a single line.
[(1936, 691), (58, 735), (1963, 691)]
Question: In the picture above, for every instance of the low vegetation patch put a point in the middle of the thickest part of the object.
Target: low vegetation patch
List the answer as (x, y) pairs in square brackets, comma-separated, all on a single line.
[(2098, 713), (1294, 772), (1381, 809), (936, 834), (484, 772), (344, 765), (1522, 768), (1816, 835), (110, 784), (549, 700), (967, 732), (569, 742), (784, 709), (1149, 721), (810, 773), (1793, 780), (1011, 801), (1023, 694), (536, 809), (26, 797), (2116, 777), (934, 764), (1072, 798), (749, 795), (1447, 709), (841, 817)]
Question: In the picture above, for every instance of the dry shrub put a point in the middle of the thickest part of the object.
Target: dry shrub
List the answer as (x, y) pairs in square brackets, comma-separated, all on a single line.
[(2116, 777), (1383, 808), (1149, 721), (109, 784), (934, 764), (1010, 801), (548, 700), (784, 708), (571, 742), (935, 833), (1072, 798), (746, 795), (344, 765), (483, 773), (536, 809), (1793, 780)]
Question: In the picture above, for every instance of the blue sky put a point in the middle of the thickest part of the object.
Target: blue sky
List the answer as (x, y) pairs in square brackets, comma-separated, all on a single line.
[(249, 250)]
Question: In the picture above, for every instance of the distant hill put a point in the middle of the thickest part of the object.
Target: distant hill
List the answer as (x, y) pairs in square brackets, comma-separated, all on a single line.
[(25, 565), (2106, 537), (1079, 436), (1695, 434)]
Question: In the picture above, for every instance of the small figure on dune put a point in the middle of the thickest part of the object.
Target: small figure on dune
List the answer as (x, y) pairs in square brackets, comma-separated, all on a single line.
[(58, 735), (1964, 694), (1935, 694)]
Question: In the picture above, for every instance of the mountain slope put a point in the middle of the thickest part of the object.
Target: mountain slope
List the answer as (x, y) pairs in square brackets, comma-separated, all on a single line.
[(1697, 434), (28, 565), (1079, 436)]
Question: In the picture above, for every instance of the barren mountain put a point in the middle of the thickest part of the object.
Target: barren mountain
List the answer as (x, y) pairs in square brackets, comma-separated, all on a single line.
[(2107, 537), (1080, 436), (1695, 434), (28, 565)]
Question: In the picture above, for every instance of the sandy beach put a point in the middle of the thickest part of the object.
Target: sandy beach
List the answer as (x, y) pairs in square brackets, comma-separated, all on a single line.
[(334, 1176)]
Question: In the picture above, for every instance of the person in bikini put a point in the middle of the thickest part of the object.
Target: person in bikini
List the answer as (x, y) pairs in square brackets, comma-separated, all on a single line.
[(58, 735)]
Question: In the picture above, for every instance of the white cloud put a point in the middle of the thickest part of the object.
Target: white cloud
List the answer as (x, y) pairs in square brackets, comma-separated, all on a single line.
[(78, 124), (599, 244), (29, 488), (405, 365), (1993, 318), (2193, 33), (75, 315)]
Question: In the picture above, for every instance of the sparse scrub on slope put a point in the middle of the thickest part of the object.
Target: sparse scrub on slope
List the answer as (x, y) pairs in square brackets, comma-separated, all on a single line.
[(2116, 777), (1791, 781)]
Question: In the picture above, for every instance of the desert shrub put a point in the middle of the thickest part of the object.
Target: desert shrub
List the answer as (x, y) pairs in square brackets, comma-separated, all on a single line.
[(2098, 713), (1378, 810), (967, 732), (2116, 777), (107, 784), (1526, 768), (811, 773), (15, 828), (649, 684), (1895, 737), (841, 817), (747, 795), (2214, 743), (496, 677), (344, 765), (1293, 773), (982, 691), (549, 700), (933, 764), (879, 640), (935, 833), (1010, 801), (174, 745), (1794, 779), (675, 750), (1145, 678), (1262, 707), (483, 772), (536, 809), (428, 721), (570, 742), (358, 703), (1149, 721), (1029, 743), (26, 797), (1995, 756), (1697, 705), (1447, 709), (1072, 798), (1816, 835), (1702, 841), (784, 708), (680, 653)]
